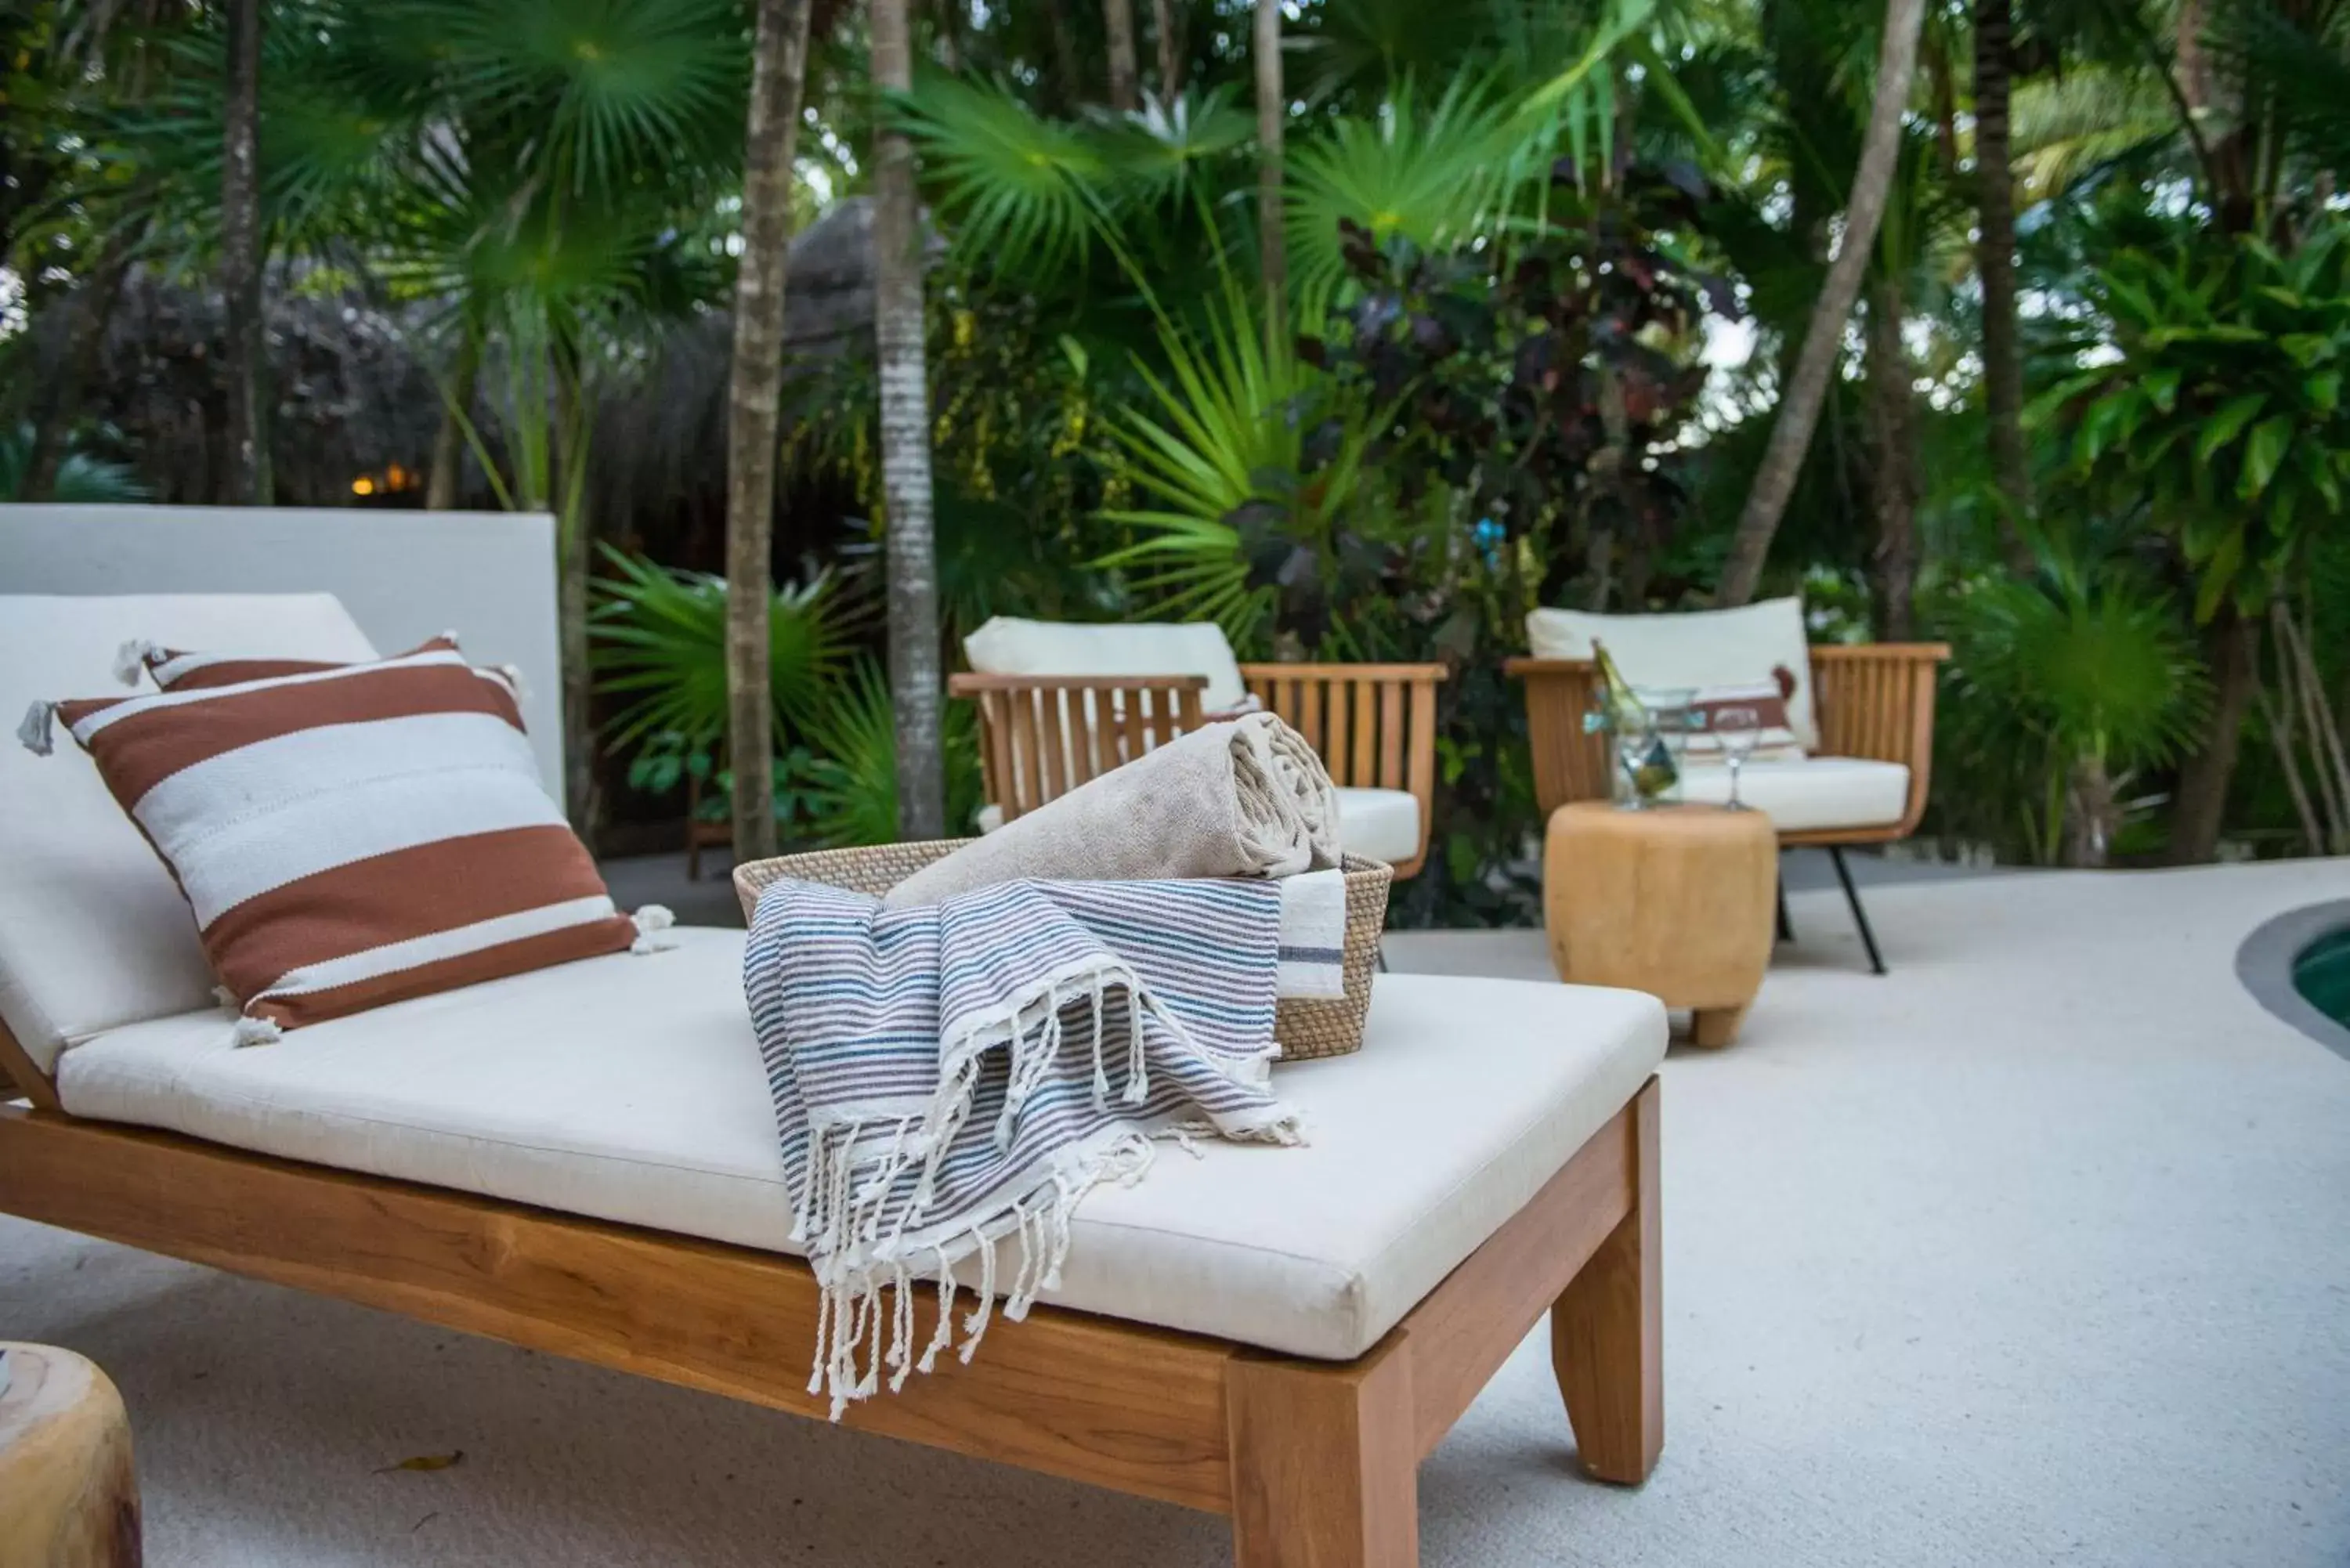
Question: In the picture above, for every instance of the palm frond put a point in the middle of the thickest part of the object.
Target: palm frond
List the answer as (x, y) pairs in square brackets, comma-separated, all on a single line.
[(658, 641), (1017, 189), (2066, 128)]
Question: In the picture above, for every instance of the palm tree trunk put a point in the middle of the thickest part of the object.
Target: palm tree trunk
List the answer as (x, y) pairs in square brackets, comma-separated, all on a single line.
[(93, 312), (1271, 112), (1167, 29), (915, 679), (778, 72), (1799, 404), (241, 261), (2199, 805), (449, 440), (1995, 263), (1893, 428), (575, 530), (1118, 25)]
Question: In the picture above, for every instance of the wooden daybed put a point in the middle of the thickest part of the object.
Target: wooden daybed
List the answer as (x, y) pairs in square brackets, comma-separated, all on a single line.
[(581, 1160), (1315, 1461)]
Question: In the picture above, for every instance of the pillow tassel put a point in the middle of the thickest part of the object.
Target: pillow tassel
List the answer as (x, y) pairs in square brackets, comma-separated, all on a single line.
[(130, 659), (651, 921), (255, 1032), (38, 731)]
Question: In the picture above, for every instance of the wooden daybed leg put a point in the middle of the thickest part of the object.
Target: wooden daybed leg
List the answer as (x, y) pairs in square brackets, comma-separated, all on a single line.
[(1325, 1471), (1606, 1330)]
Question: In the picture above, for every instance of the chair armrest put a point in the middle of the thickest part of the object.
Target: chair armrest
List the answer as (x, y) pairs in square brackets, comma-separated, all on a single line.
[(1876, 699), (1374, 726), (1570, 764)]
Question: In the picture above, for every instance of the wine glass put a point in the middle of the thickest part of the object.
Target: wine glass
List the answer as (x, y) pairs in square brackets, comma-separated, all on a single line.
[(1739, 725)]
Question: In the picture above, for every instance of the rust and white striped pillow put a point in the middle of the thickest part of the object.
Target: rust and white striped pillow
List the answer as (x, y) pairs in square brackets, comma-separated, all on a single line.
[(350, 835)]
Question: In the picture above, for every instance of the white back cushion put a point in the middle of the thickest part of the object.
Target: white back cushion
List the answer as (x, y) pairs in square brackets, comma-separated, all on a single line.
[(489, 576), (1694, 648), (93, 932), (1008, 646)]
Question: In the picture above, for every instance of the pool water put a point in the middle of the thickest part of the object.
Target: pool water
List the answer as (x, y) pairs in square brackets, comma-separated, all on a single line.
[(2322, 974)]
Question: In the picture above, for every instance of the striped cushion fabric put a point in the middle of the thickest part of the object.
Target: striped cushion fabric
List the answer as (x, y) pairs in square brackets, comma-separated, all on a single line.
[(350, 835), (1774, 739)]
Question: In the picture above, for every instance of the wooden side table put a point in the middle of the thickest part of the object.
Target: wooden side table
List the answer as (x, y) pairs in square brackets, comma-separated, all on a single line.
[(68, 1496), (1676, 900)]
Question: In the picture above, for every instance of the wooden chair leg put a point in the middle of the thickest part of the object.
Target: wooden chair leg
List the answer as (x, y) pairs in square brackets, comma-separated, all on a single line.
[(1324, 1471), (1606, 1331)]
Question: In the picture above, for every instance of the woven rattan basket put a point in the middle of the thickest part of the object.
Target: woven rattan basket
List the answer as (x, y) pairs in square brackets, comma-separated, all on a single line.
[(1305, 1029)]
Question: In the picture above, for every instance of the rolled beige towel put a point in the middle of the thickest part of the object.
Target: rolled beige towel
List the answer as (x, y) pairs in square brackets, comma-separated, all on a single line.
[(1247, 798)]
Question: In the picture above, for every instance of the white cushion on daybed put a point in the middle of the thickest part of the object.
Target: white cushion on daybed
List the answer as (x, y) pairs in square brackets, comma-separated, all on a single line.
[(93, 933), (1810, 793), (1008, 644), (629, 1088)]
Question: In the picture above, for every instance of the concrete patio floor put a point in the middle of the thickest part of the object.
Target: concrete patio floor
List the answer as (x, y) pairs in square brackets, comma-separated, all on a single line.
[(2037, 1250)]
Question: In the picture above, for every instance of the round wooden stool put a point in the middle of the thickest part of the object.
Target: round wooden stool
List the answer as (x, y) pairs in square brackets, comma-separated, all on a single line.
[(71, 1496), (1676, 900)]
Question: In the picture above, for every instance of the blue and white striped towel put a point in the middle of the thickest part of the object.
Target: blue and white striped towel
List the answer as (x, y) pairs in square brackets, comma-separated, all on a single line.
[(951, 1076)]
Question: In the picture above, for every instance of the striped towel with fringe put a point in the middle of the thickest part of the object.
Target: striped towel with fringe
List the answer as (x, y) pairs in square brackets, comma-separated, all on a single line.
[(953, 1077)]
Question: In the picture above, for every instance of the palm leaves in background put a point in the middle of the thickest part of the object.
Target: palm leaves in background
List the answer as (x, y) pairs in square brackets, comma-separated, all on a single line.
[(2079, 680), (660, 640)]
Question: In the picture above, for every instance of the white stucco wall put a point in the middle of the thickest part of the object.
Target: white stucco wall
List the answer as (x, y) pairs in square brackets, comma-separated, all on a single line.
[(489, 576)]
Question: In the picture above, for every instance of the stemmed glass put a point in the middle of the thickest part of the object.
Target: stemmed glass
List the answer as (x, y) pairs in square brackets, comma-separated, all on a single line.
[(1739, 727)]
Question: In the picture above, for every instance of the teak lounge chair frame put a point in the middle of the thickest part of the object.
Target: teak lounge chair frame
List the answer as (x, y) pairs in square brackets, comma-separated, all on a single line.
[(1315, 1462), (1870, 699), (1374, 726)]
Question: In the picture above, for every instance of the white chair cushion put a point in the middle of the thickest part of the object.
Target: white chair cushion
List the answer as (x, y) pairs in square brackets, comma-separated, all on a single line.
[(1697, 647), (629, 1089), (1383, 823), (1009, 646), (1810, 793), (93, 932)]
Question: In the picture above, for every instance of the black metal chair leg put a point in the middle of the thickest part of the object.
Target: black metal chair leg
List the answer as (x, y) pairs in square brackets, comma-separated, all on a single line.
[(1786, 926), (1859, 915)]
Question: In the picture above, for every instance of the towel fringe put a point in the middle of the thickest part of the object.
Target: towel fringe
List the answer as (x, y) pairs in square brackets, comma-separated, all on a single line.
[(38, 731)]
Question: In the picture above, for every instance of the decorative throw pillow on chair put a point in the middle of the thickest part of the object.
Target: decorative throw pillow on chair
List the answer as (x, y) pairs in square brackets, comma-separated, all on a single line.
[(347, 835), (1758, 706)]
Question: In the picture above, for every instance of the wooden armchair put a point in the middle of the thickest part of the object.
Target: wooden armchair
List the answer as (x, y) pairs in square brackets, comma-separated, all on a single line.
[(1873, 701), (1043, 736)]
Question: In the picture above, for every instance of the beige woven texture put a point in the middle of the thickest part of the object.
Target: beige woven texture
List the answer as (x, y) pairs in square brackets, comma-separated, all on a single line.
[(1305, 1029), (1247, 798)]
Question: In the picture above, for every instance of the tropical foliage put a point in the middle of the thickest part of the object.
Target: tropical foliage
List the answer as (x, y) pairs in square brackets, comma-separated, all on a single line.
[(1548, 269)]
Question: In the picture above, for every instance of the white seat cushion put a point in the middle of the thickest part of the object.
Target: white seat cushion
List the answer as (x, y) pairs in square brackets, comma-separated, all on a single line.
[(1009, 646), (1810, 793), (1383, 823), (631, 1089), (1694, 648), (93, 933)]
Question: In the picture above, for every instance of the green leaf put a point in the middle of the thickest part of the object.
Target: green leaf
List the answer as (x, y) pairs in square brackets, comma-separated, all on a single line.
[(2162, 387), (2224, 428), (2306, 348), (2263, 453), (2219, 575), (2324, 391)]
